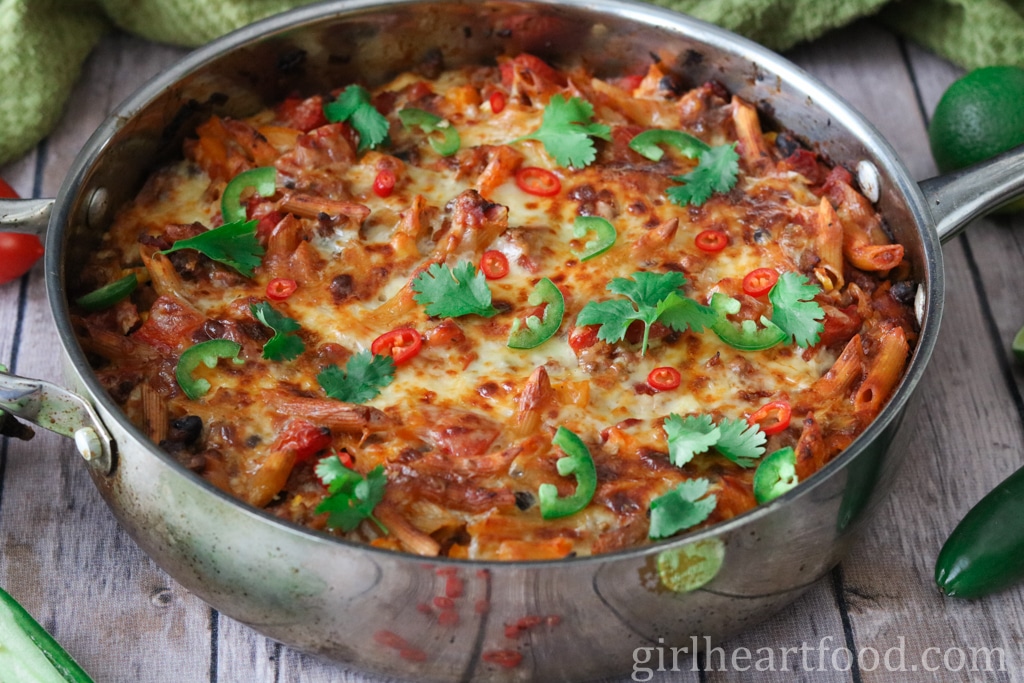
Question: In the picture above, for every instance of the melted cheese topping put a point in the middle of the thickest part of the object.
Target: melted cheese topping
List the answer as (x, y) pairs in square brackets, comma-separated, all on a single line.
[(463, 432)]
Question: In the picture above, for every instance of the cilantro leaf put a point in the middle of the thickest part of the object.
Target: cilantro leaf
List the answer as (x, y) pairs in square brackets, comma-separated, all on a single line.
[(353, 105), (452, 292), (285, 344), (364, 376), (233, 244), (794, 309), (566, 131), (655, 298), (715, 172), (689, 436), (681, 508), (352, 497), (740, 442)]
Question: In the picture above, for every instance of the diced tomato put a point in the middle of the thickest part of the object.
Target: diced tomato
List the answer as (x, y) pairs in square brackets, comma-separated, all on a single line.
[(537, 66), (303, 114), (304, 438), (583, 337), (170, 324), (805, 163), (840, 325)]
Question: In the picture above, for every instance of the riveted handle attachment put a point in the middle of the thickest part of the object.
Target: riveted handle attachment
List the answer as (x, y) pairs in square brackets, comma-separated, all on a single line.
[(54, 408)]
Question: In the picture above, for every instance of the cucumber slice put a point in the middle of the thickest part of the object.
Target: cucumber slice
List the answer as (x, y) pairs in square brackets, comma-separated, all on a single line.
[(28, 654)]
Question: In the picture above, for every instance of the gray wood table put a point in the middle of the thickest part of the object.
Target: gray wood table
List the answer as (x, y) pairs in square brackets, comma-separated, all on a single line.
[(65, 558)]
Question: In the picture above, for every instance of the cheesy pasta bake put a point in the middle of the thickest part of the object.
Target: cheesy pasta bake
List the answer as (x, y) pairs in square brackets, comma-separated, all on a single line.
[(507, 311)]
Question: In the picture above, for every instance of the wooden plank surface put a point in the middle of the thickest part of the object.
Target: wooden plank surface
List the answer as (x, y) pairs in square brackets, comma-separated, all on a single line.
[(63, 555)]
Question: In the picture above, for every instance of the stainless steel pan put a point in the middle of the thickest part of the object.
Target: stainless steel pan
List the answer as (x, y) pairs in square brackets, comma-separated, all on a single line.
[(328, 596)]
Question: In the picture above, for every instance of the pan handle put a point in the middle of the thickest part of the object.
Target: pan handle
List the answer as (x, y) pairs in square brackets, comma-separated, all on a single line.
[(59, 410), (957, 198), (25, 215)]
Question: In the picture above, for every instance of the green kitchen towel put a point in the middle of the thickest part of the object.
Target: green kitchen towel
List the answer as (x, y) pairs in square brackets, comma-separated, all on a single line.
[(43, 43)]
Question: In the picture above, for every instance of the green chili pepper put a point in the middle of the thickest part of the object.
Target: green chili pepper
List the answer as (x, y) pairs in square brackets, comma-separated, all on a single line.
[(775, 475), (263, 180), (28, 654), (108, 295), (429, 123), (538, 330), (747, 337), (646, 144), (207, 353), (605, 235), (985, 552), (577, 461)]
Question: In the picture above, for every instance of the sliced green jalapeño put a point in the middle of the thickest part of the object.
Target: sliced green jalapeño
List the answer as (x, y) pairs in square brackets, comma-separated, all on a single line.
[(746, 337), (577, 462), (604, 240), (206, 353), (108, 295), (646, 144), (262, 180), (775, 475), (536, 331), (449, 142)]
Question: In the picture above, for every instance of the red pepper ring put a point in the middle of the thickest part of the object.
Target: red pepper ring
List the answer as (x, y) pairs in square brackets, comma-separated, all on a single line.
[(384, 183), (498, 101), (664, 378), (779, 411), (281, 288), (711, 240), (760, 281), (494, 264), (402, 344), (538, 181)]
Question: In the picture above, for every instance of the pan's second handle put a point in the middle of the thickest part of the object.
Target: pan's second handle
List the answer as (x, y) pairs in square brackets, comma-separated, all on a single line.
[(51, 407), (958, 198), (25, 215)]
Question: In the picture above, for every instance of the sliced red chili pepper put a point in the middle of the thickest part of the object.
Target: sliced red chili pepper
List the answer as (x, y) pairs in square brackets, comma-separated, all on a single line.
[(401, 344), (711, 240), (303, 437), (538, 181), (494, 264), (280, 288), (664, 378), (498, 101), (772, 417), (760, 281), (384, 183)]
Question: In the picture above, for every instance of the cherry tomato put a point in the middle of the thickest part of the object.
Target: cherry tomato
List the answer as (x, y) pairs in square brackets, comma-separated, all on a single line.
[(776, 414), (281, 288), (401, 344), (664, 378), (759, 282), (538, 181), (384, 183), (498, 101), (711, 240), (17, 251), (303, 437), (494, 264)]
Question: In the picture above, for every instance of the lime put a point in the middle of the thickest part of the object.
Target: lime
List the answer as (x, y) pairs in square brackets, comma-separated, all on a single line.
[(979, 116)]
